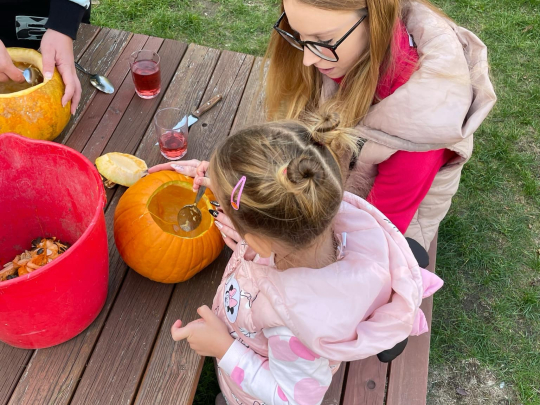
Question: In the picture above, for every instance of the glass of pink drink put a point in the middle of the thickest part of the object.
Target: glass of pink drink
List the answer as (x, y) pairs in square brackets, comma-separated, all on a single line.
[(145, 71), (172, 138)]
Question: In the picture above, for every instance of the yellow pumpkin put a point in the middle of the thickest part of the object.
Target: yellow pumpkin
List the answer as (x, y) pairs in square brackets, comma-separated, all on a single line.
[(35, 112), (147, 234)]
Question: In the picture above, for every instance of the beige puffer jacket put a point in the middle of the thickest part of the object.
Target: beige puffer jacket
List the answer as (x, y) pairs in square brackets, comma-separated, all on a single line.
[(441, 106)]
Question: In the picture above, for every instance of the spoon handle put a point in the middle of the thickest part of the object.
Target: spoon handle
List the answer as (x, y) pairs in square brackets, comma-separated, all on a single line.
[(81, 68), (200, 193)]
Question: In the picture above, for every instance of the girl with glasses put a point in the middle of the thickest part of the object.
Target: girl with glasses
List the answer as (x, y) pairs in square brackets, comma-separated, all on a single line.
[(413, 83)]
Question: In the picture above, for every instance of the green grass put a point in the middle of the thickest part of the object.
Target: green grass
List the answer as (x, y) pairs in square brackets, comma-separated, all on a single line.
[(236, 25), (489, 242)]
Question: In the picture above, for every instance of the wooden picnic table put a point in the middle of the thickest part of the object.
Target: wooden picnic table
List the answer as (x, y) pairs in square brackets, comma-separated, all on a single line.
[(127, 355)]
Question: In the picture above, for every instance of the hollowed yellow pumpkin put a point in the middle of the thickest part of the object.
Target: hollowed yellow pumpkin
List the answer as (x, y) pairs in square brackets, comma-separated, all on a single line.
[(35, 112), (147, 234)]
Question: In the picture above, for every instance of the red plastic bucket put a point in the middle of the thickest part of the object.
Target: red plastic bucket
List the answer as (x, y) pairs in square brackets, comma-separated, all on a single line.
[(50, 190)]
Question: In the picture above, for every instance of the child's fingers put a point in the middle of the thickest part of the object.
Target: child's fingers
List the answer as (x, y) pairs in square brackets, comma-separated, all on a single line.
[(189, 171), (201, 181), (158, 168), (181, 333), (207, 314), (202, 168), (229, 232), (229, 242), (169, 166)]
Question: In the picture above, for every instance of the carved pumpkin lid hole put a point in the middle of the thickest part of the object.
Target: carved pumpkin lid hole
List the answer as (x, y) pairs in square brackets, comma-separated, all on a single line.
[(168, 199)]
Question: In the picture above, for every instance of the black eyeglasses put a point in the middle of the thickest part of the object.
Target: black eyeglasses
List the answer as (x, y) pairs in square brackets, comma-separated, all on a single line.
[(323, 51)]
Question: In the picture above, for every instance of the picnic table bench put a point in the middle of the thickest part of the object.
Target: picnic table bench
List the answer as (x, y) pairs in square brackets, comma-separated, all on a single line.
[(127, 355)]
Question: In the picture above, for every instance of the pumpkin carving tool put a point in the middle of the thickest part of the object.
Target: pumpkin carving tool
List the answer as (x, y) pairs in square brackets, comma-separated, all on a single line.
[(189, 216)]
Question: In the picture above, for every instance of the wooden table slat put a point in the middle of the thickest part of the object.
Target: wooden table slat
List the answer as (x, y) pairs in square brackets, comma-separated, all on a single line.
[(185, 92), (140, 112), (174, 368), (251, 110), (85, 36), (98, 58), (113, 373), (407, 382), (99, 106), (366, 381), (333, 395), (229, 79), (13, 363)]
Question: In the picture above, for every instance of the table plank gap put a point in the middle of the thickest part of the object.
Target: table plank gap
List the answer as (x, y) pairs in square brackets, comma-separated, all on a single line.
[(99, 58), (251, 110), (17, 359), (85, 36)]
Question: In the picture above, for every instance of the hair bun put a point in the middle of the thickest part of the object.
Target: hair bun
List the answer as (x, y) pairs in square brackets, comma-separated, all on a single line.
[(328, 123), (302, 169)]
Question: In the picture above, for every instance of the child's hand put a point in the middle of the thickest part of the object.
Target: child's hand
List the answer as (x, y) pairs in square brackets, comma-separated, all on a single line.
[(208, 336), (200, 179), (191, 168)]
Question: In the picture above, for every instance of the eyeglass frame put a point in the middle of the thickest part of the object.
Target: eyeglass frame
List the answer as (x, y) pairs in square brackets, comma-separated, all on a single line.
[(327, 46)]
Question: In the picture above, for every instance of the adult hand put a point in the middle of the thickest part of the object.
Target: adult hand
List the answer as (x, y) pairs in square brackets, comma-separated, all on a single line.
[(208, 336), (8, 71), (57, 50)]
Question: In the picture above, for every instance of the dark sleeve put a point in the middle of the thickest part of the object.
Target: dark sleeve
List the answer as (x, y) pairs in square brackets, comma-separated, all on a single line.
[(65, 16)]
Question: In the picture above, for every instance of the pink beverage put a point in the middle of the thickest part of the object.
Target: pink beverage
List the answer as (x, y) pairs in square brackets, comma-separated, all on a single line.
[(173, 145), (147, 78), (146, 74)]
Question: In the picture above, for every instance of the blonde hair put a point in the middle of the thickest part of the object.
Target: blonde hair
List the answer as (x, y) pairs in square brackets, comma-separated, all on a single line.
[(294, 183), (291, 87)]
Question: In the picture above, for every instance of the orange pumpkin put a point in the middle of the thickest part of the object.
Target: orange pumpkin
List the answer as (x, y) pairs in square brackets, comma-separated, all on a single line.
[(147, 234), (35, 112)]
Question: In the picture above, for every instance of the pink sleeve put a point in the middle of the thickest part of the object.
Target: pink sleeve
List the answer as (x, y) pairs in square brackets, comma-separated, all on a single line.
[(403, 182), (292, 374)]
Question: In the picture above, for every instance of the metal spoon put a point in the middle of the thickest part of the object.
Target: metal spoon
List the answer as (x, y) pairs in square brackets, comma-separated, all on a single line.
[(99, 82), (189, 216), (32, 75)]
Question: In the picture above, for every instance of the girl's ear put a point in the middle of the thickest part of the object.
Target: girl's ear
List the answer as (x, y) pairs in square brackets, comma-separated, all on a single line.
[(259, 244)]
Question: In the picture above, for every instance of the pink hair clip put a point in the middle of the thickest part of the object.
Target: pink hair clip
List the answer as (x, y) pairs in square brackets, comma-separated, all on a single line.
[(240, 186)]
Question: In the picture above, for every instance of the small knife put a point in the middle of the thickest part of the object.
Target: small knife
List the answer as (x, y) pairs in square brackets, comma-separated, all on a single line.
[(195, 115)]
